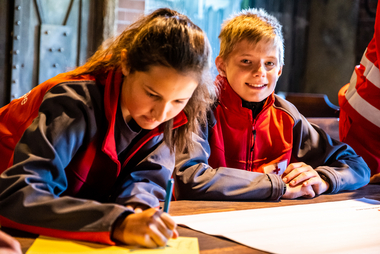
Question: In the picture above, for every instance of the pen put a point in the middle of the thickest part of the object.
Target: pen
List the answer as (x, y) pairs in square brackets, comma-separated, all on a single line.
[(168, 197)]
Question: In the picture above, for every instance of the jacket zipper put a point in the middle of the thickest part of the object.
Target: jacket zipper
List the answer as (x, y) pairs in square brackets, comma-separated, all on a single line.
[(253, 140)]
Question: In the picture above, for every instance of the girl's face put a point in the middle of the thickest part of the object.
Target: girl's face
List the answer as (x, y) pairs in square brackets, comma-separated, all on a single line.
[(155, 96)]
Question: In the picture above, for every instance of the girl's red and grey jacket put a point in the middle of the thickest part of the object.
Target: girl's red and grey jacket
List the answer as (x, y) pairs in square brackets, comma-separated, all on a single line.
[(228, 159), (65, 178)]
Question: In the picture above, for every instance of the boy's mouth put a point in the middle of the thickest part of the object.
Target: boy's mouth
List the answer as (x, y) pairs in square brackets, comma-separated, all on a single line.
[(255, 85)]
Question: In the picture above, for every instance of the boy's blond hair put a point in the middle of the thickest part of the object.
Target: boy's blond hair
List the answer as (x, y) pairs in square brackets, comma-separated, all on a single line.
[(253, 25)]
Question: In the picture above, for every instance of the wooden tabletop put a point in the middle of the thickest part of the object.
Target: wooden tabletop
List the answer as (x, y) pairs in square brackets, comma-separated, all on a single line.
[(215, 245)]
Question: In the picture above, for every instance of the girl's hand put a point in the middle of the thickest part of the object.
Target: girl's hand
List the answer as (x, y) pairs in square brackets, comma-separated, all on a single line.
[(150, 228), (298, 191), (302, 174), (137, 207), (9, 245)]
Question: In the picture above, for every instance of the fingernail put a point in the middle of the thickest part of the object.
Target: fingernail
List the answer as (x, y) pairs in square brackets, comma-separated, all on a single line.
[(293, 182), (285, 179)]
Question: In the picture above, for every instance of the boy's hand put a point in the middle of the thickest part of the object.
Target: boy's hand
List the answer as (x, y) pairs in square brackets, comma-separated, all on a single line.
[(9, 245), (300, 173), (375, 178), (298, 191), (151, 228)]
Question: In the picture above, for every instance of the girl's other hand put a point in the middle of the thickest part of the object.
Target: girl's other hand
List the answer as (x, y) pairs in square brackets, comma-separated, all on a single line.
[(9, 245)]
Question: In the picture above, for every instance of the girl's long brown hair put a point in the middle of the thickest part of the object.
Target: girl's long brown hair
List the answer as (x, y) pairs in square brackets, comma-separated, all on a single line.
[(165, 38)]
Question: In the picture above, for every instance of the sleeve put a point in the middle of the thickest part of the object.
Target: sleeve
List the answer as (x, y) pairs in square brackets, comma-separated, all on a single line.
[(31, 190), (144, 180), (195, 179), (359, 102), (337, 161)]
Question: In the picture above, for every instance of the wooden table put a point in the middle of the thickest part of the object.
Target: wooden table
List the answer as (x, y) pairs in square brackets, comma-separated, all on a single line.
[(215, 245)]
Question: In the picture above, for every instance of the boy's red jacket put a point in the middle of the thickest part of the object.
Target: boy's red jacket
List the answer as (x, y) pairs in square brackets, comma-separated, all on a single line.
[(65, 179), (359, 102), (229, 157)]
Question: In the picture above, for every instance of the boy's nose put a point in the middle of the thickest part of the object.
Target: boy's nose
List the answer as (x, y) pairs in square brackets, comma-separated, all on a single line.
[(259, 71)]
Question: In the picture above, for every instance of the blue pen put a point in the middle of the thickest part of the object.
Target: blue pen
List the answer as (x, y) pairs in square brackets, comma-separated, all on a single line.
[(169, 189)]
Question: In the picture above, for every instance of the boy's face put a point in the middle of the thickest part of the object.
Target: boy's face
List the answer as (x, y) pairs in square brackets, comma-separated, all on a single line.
[(251, 69)]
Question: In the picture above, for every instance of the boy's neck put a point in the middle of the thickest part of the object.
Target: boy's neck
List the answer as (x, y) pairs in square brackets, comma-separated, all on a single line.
[(255, 107)]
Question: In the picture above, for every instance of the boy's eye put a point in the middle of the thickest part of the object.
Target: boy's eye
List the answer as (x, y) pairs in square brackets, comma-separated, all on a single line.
[(245, 61), (270, 63)]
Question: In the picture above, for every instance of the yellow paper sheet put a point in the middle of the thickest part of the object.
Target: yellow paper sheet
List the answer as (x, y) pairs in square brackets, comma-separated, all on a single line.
[(44, 245)]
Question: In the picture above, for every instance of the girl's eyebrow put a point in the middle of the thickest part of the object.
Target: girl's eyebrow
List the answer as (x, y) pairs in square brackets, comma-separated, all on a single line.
[(159, 95), (152, 90)]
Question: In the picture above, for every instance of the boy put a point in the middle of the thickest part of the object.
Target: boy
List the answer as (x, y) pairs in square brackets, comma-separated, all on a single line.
[(257, 145)]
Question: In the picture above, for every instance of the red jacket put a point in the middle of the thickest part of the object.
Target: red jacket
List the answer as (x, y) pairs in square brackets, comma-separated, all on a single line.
[(234, 150), (359, 124), (66, 180), (238, 141)]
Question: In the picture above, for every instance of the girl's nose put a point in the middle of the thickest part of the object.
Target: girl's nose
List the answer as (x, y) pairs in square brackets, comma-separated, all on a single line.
[(160, 111)]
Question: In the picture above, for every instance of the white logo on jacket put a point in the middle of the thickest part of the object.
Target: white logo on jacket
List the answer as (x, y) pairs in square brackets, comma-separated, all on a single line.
[(277, 168), (25, 98)]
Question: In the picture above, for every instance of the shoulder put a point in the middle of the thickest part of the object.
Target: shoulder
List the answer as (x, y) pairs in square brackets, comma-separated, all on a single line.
[(287, 107), (86, 91)]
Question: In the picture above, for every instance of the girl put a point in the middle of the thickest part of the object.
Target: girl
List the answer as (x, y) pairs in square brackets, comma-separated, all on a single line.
[(87, 146)]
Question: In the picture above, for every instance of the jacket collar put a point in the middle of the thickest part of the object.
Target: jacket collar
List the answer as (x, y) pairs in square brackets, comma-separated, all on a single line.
[(232, 101)]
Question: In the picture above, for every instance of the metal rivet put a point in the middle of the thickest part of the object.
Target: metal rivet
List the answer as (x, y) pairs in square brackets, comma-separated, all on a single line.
[(54, 65), (50, 49), (46, 32), (16, 52), (18, 23), (17, 37), (15, 66), (64, 34), (14, 81), (18, 7), (13, 97), (60, 49), (22, 65)]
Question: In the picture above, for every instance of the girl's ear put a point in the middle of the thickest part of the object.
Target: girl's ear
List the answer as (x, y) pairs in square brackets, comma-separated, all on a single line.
[(220, 66), (124, 66)]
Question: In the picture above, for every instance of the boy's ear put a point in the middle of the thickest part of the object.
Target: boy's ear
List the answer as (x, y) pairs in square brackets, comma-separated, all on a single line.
[(124, 66), (220, 66), (280, 71)]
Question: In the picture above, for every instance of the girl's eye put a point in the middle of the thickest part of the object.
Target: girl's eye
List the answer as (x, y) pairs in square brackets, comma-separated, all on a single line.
[(180, 102), (151, 95)]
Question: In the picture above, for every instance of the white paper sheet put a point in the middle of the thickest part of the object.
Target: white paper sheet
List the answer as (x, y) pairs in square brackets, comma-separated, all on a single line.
[(351, 226)]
